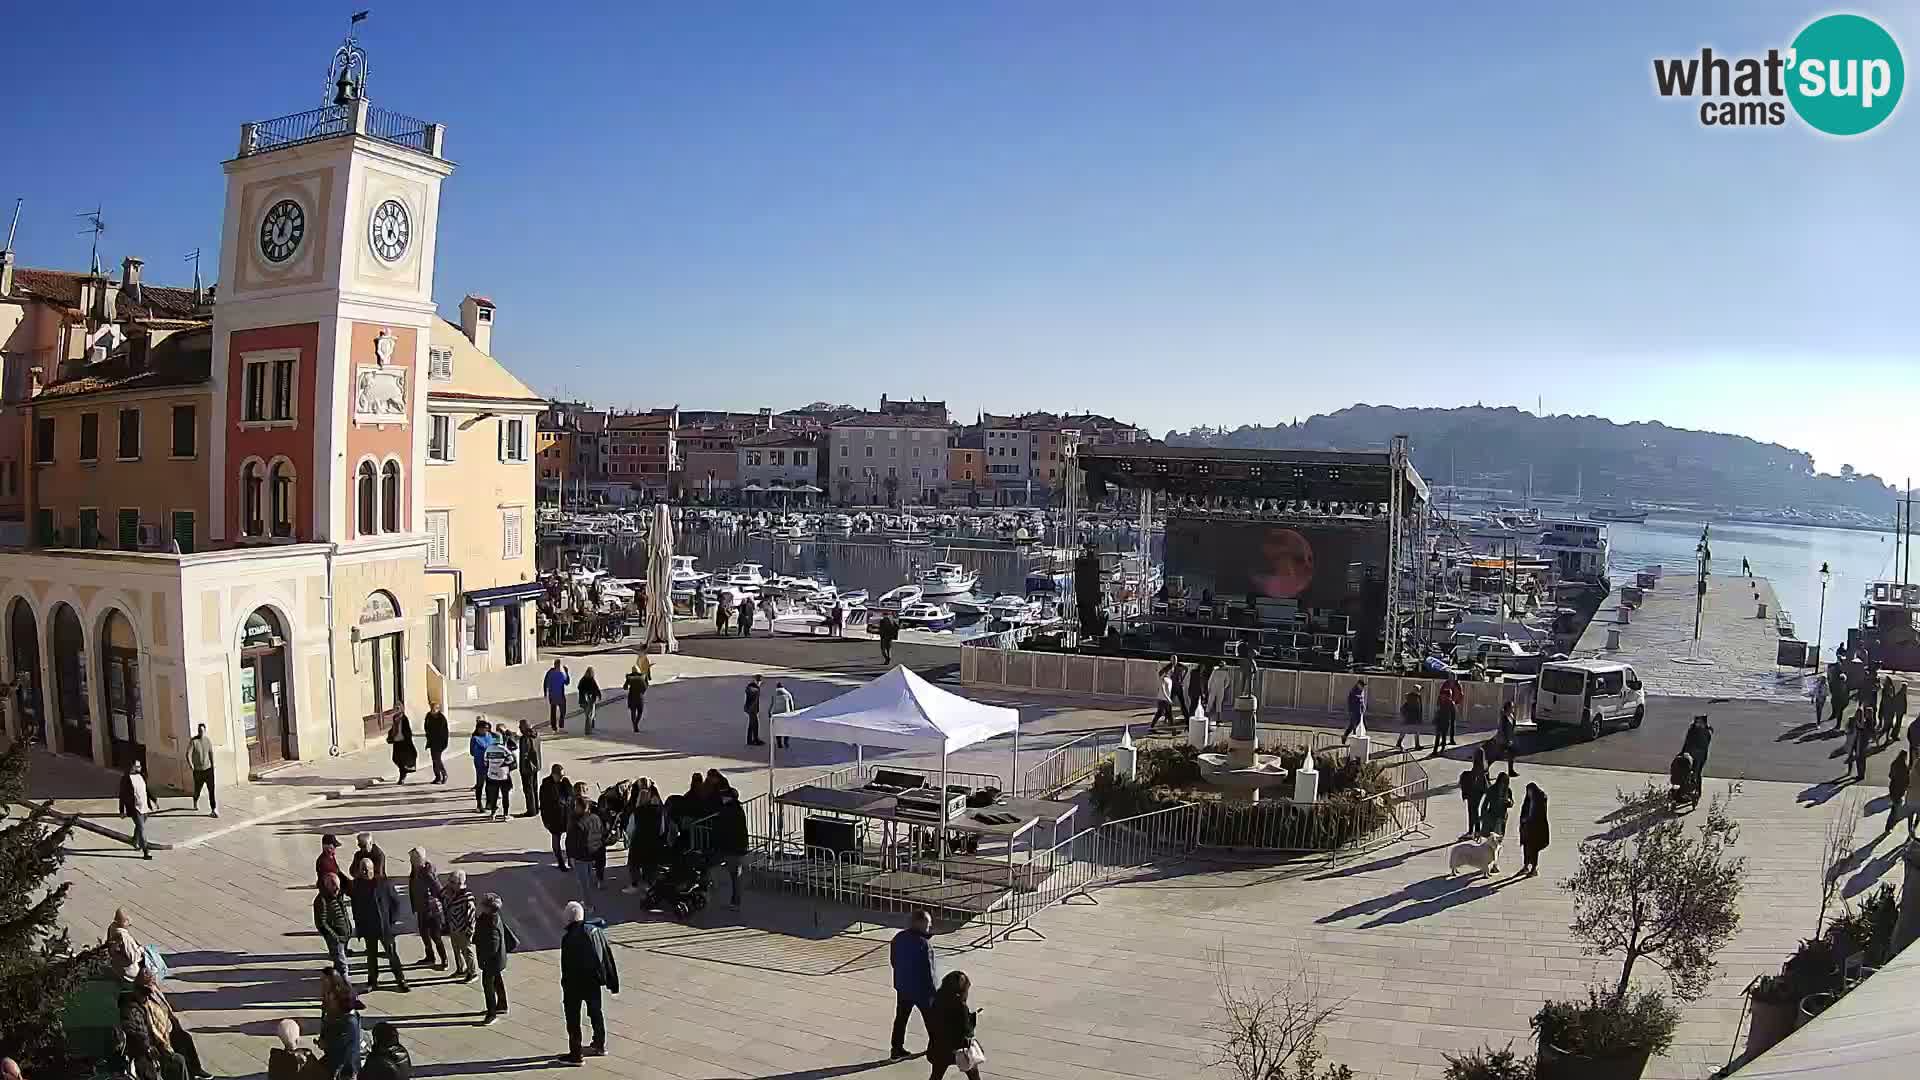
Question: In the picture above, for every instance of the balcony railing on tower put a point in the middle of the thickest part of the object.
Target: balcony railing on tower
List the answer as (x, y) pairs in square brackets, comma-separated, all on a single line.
[(349, 118)]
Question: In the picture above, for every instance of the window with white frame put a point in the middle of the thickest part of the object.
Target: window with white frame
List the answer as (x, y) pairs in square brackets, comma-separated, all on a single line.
[(439, 524), (440, 437), (513, 439), (510, 546), (266, 389), (440, 365)]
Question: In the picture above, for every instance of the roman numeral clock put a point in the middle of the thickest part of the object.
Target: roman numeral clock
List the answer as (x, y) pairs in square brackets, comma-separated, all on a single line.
[(281, 230), (390, 230)]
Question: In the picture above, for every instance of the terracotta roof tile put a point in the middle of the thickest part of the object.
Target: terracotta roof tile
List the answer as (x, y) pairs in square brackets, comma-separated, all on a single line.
[(63, 287), (184, 359)]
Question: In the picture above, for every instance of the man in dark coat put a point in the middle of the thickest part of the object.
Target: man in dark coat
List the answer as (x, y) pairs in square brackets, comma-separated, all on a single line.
[(586, 965), (493, 939), (529, 768), (333, 918), (914, 978), (1699, 739), (752, 708), (376, 914), (1836, 693), (556, 795), (744, 613), (435, 727), (1534, 833), (730, 839), (886, 631)]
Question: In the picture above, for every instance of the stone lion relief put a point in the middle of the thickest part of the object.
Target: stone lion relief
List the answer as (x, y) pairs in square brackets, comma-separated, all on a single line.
[(380, 395)]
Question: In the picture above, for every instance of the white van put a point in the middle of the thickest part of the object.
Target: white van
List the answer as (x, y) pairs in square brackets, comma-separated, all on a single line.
[(1588, 693)]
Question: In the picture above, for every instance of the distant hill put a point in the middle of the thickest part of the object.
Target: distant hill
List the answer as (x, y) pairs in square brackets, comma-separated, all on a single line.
[(1607, 462)]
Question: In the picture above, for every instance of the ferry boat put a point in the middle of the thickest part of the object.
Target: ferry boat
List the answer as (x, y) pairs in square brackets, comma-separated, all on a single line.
[(899, 599), (1889, 621), (948, 579), (925, 616)]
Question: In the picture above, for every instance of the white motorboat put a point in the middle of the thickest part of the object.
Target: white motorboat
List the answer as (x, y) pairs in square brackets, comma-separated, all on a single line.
[(837, 523), (1010, 608), (899, 599), (910, 542), (969, 604), (800, 621), (682, 575), (925, 616), (948, 579), (853, 598)]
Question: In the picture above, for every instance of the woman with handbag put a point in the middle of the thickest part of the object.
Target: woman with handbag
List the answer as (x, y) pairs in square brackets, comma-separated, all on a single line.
[(400, 737), (950, 1028), (429, 905)]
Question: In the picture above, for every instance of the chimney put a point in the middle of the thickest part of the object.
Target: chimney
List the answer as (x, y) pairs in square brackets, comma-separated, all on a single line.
[(130, 277), (138, 347), (476, 321)]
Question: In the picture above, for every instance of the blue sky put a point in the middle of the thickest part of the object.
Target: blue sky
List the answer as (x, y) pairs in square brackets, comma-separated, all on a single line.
[(1213, 212)]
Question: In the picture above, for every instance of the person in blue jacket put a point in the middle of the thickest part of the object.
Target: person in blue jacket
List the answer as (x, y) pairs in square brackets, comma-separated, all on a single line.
[(481, 741), (914, 978)]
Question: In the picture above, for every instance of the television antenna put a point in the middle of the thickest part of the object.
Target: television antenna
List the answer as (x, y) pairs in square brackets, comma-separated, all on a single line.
[(95, 225), (194, 258)]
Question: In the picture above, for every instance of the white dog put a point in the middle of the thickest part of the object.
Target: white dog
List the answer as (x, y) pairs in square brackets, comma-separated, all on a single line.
[(1480, 853)]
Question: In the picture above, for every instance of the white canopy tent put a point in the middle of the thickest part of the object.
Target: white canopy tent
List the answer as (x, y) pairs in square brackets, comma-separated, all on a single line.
[(902, 711)]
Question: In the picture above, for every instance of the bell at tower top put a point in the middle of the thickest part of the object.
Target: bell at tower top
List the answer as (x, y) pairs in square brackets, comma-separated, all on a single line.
[(347, 112)]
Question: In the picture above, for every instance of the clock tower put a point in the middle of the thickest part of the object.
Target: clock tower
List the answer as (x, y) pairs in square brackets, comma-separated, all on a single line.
[(320, 331)]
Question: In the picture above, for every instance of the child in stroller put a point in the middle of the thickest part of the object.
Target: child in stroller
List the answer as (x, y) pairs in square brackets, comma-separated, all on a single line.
[(682, 888), (1682, 787)]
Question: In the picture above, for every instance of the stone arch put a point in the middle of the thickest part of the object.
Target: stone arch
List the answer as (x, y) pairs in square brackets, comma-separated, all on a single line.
[(70, 656), (26, 668), (118, 656)]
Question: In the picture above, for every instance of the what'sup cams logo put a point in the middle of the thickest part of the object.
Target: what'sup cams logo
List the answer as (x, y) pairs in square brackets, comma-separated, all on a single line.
[(1842, 75)]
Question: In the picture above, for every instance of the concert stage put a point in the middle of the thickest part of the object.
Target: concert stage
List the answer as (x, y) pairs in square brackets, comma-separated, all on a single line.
[(1306, 557)]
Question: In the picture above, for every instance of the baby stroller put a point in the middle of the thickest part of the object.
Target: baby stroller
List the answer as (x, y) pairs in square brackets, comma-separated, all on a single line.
[(1682, 789), (682, 888)]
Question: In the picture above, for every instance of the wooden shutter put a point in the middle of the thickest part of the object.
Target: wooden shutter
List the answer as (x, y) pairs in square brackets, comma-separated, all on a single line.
[(183, 530), (438, 526), (510, 533), (129, 530)]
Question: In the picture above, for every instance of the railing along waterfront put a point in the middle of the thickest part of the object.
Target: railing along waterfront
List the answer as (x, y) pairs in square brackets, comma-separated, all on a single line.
[(1069, 763)]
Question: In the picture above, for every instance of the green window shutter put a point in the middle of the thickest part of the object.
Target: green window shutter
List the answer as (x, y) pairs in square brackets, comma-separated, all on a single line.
[(129, 530), (183, 530), (43, 527), (89, 528)]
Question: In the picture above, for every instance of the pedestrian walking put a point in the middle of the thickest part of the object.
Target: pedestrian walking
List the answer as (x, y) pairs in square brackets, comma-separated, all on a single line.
[(914, 980), (339, 1024), (1534, 833), (1504, 736), (722, 611), (589, 697), (366, 851), (1860, 742), (1836, 693), (1473, 788), (1820, 692), (555, 686), (1452, 696), (950, 1030), (461, 907), (400, 738), (1175, 673), (387, 1060), (782, 703), (556, 796), (327, 862), (376, 915), (744, 614), (752, 708), (434, 726), (636, 687), (1913, 783), (1898, 776), (1219, 691), (429, 906), (333, 918), (1163, 701), (501, 761), (1495, 807), (1698, 740), (145, 1009), (1899, 713), (135, 805), (200, 760), (493, 939), (646, 830), (730, 839), (529, 768), (586, 967), (887, 632), (586, 845), (1411, 719), (478, 744), (1356, 707)]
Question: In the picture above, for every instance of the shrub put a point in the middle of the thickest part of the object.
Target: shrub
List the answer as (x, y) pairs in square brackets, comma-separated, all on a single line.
[(1177, 765), (1603, 1027), (1487, 1063), (1869, 928)]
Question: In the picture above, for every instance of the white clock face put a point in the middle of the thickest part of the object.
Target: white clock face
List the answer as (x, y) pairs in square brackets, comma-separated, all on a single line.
[(390, 230), (281, 230)]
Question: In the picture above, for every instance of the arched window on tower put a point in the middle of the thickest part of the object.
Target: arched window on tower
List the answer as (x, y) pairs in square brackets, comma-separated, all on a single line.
[(367, 486), (390, 497), (280, 497), (252, 522)]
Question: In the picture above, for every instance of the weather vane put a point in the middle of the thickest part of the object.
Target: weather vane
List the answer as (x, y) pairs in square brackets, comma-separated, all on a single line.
[(343, 84)]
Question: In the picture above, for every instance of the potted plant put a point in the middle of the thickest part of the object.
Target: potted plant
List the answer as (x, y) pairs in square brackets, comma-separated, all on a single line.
[(1602, 1038), (1773, 1005), (1487, 1063), (1659, 891)]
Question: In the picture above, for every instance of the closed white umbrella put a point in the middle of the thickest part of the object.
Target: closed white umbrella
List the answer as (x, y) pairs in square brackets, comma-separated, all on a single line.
[(660, 583)]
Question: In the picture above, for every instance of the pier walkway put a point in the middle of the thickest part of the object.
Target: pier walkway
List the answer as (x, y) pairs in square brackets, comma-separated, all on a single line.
[(1739, 643)]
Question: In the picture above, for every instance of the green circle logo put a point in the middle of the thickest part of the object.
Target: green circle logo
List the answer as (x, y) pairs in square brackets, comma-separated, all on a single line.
[(1846, 74)]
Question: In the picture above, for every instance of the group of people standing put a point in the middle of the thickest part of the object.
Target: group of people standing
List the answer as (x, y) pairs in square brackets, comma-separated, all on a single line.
[(1490, 803)]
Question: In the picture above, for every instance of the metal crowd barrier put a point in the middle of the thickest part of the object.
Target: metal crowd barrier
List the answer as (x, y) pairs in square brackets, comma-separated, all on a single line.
[(1068, 764)]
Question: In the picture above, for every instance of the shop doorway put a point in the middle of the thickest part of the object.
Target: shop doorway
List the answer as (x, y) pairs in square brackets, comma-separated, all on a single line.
[(266, 706), (120, 676), (23, 632), (70, 683)]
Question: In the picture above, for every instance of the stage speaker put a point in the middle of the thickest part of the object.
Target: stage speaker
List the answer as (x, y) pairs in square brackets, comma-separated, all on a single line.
[(839, 837), (1086, 595)]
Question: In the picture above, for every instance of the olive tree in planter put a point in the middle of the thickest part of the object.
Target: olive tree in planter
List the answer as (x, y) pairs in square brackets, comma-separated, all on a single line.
[(1664, 893)]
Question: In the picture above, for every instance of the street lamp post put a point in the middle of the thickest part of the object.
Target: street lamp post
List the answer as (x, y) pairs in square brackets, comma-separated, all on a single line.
[(1820, 633)]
